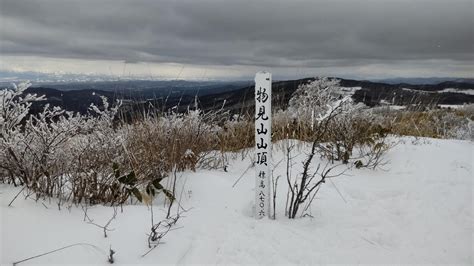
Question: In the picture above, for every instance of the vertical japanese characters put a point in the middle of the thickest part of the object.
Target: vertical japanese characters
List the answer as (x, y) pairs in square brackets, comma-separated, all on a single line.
[(263, 143)]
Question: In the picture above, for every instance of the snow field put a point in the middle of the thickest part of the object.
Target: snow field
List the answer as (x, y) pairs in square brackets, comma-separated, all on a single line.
[(417, 210)]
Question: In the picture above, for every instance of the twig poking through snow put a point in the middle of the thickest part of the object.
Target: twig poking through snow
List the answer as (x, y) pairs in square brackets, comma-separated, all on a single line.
[(105, 227), (238, 179), (339, 192), (111, 255), (159, 231), (10, 204), (56, 250)]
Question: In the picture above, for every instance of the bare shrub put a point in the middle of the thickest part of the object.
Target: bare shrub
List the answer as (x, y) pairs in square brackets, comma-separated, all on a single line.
[(335, 127), (14, 108), (304, 187)]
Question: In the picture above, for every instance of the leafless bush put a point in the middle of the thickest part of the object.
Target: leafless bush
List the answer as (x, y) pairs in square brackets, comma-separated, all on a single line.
[(304, 187), (335, 127)]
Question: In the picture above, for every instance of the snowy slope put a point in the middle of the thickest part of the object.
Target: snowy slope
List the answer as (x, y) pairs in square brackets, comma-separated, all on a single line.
[(418, 210)]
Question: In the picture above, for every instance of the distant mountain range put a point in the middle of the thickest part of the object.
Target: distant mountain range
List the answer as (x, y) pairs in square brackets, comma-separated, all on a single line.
[(239, 96), (421, 81), (370, 93), (67, 79), (39, 77)]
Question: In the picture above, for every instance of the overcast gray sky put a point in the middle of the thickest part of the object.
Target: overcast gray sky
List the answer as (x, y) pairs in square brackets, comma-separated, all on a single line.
[(233, 39)]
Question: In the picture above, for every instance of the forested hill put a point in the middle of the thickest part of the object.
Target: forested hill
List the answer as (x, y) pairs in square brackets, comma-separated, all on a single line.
[(239, 100), (370, 93)]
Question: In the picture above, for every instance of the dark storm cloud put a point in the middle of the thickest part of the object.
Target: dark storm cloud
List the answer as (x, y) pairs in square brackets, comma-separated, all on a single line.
[(263, 33)]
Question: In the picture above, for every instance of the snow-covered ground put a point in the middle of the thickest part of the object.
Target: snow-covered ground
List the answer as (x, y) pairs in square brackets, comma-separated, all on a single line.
[(454, 90), (418, 210), (348, 91)]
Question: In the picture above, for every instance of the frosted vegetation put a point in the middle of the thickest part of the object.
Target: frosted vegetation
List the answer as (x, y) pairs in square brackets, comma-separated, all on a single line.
[(96, 158)]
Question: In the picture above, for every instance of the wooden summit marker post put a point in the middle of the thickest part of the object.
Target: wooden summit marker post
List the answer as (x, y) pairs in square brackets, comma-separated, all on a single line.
[(263, 142)]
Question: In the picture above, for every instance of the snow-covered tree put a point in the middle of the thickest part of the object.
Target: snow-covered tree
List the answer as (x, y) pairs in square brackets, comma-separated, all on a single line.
[(312, 101)]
